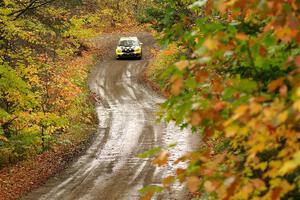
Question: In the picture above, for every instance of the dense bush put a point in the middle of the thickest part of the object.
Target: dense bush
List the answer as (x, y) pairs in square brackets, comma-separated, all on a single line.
[(236, 84)]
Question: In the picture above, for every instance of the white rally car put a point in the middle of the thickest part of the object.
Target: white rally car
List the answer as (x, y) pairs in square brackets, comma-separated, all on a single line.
[(129, 47)]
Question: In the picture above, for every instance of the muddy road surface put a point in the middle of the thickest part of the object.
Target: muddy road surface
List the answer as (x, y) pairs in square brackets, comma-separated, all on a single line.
[(110, 169)]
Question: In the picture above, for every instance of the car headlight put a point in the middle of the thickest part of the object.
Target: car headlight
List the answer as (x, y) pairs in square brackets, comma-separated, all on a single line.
[(118, 50), (137, 49)]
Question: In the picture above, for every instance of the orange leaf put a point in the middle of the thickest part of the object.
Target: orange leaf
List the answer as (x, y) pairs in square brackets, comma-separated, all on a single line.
[(240, 111), (283, 91), (169, 52), (161, 159), (180, 174), (208, 7), (260, 99), (181, 159), (297, 61), (262, 51), (207, 172), (241, 36), (211, 44), (216, 85), (201, 76), (210, 186), (219, 106), (168, 181), (177, 86), (276, 193), (258, 183), (193, 183), (275, 84), (208, 132), (196, 118), (231, 189), (147, 196)]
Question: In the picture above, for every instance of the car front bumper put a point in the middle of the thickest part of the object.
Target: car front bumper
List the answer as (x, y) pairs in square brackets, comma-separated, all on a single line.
[(128, 55), (122, 54)]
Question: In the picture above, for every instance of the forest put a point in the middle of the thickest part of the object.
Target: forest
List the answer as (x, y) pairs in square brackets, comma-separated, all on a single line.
[(40, 95), (229, 69), (43, 98)]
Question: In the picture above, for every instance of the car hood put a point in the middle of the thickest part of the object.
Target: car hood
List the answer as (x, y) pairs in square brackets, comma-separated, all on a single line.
[(129, 47)]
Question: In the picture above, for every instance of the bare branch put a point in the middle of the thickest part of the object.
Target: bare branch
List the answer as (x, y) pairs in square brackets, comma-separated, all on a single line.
[(34, 4)]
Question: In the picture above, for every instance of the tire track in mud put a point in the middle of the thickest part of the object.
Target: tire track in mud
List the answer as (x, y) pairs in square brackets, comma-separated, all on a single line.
[(110, 169)]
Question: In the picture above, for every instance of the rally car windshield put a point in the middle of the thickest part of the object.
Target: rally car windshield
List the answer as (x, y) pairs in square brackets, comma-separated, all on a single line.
[(128, 43)]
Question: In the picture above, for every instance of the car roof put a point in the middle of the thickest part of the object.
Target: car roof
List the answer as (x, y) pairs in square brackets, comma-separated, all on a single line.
[(128, 38)]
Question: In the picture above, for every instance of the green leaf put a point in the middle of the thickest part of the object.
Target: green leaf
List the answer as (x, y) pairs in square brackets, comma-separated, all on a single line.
[(151, 188), (149, 153)]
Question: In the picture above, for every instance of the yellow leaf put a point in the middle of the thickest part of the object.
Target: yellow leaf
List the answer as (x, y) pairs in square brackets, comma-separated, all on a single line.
[(181, 65), (290, 165), (255, 108), (282, 117), (3, 138), (231, 2), (298, 92), (241, 110), (262, 166), (257, 148), (211, 44), (231, 130), (296, 105), (287, 167)]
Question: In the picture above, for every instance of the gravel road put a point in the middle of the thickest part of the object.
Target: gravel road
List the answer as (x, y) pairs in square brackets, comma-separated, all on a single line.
[(110, 169)]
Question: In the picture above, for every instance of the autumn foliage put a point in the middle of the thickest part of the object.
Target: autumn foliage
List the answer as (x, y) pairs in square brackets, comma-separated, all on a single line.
[(236, 83), (43, 95)]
